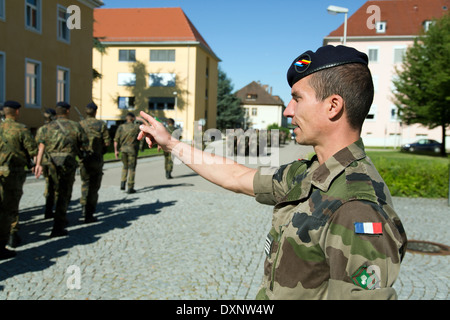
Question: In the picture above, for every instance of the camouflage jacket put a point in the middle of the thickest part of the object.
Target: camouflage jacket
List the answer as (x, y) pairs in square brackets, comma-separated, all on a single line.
[(335, 234), (17, 145), (126, 137), (97, 134), (64, 140)]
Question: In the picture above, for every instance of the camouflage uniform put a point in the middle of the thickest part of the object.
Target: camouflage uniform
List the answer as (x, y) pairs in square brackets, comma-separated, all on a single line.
[(314, 248), (49, 192), (91, 168), (64, 140), (16, 146), (126, 138)]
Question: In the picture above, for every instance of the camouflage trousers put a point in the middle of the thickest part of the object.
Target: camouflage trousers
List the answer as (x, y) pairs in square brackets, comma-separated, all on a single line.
[(11, 191), (49, 192), (91, 179), (62, 178), (129, 161), (168, 162)]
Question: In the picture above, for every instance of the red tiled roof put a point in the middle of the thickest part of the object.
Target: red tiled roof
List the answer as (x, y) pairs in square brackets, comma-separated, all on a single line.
[(145, 25), (402, 17)]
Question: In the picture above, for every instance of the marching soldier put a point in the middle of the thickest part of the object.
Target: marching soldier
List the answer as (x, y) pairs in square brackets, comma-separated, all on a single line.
[(17, 147), (125, 141), (91, 168), (168, 162), (49, 192), (62, 140)]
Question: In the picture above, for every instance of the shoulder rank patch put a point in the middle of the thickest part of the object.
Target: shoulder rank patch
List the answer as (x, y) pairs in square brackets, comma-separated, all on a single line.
[(268, 244), (368, 228)]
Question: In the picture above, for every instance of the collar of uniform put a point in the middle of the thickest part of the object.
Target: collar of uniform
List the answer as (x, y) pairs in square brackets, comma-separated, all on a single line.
[(328, 171)]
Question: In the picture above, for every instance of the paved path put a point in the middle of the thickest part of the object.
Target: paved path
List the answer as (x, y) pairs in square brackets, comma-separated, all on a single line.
[(183, 238)]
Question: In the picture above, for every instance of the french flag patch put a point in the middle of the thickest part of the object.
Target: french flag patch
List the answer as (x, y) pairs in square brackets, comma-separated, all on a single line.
[(368, 228)]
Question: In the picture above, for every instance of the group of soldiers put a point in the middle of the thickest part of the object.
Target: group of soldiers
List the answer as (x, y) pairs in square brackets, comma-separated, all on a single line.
[(60, 147)]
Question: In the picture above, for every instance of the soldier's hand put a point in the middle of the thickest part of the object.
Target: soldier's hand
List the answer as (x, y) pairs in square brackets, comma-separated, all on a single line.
[(37, 171), (154, 132)]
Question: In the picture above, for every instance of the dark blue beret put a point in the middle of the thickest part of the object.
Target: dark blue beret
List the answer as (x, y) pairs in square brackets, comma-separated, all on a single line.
[(92, 105), (51, 111), (12, 104), (325, 57), (63, 105)]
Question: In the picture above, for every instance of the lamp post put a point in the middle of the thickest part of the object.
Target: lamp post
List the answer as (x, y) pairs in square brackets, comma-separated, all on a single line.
[(335, 10)]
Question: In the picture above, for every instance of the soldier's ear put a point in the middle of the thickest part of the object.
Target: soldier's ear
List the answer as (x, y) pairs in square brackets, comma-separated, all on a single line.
[(335, 106)]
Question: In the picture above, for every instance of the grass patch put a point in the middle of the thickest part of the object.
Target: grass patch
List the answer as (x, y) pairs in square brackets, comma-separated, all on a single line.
[(411, 175)]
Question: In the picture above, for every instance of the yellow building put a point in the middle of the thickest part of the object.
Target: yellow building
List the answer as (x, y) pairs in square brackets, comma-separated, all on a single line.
[(46, 54), (156, 61)]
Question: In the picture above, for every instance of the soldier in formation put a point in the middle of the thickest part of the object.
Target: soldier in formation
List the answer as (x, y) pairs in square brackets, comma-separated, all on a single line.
[(62, 141), (334, 234), (125, 142), (91, 167), (17, 149)]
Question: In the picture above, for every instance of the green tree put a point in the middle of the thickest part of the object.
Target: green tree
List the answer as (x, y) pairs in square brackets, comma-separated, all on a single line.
[(422, 93), (230, 114)]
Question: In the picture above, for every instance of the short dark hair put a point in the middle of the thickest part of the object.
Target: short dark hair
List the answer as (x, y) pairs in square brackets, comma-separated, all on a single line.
[(353, 82)]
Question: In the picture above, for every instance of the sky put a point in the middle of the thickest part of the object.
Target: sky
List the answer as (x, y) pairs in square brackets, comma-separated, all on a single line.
[(256, 40)]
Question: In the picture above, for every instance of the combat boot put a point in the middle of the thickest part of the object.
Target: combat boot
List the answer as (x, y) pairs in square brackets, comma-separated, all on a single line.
[(168, 175), (122, 185), (14, 240), (58, 231), (89, 214)]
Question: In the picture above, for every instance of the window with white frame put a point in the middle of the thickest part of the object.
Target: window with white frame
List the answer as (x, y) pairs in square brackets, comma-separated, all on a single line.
[(427, 24), (33, 79), (33, 15), (162, 55), (161, 103), (126, 79), (62, 84), (126, 102), (372, 115), (394, 113), (2, 10), (2, 76), (399, 54), (161, 80), (63, 32), (127, 55), (373, 54), (381, 26)]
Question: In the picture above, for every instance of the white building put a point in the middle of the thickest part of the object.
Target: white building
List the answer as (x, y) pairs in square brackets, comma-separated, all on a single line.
[(385, 41), (261, 107)]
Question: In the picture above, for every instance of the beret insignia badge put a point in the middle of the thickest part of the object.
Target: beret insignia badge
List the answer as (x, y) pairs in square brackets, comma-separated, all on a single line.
[(303, 63)]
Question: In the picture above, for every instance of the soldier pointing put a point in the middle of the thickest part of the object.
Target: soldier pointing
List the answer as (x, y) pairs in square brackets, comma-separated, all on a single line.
[(334, 234)]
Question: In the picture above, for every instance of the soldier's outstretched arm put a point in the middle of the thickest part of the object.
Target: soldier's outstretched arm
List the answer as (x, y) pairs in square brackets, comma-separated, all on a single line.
[(219, 170)]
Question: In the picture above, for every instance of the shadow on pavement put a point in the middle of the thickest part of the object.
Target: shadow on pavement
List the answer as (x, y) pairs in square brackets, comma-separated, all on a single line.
[(39, 252)]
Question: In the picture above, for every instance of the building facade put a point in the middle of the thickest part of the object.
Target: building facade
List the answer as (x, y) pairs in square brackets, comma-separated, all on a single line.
[(261, 107), (384, 30), (46, 54), (156, 61)]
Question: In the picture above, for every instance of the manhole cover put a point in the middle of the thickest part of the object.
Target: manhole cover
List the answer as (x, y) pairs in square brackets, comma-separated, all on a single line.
[(426, 247)]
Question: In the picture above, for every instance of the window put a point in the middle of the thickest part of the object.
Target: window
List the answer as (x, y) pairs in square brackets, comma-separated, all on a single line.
[(2, 76), (161, 103), (32, 83), (372, 115), (251, 96), (399, 54), (162, 55), (63, 32), (62, 84), (254, 111), (2, 10), (126, 102), (161, 80), (373, 54), (394, 113), (126, 79), (33, 15), (427, 24), (381, 26), (127, 55)]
